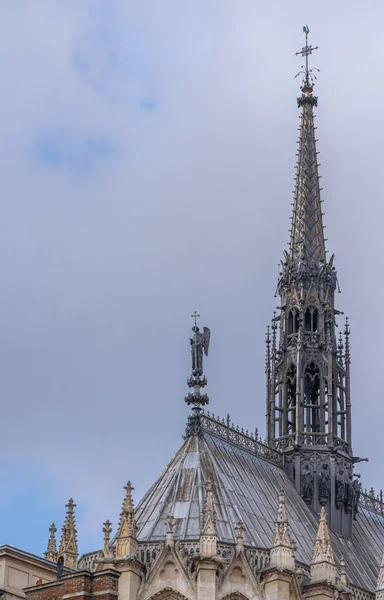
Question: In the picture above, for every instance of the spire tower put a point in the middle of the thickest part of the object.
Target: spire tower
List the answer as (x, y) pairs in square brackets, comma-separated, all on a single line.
[(308, 384)]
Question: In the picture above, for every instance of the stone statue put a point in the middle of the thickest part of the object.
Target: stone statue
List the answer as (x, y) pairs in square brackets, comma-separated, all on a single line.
[(324, 482), (348, 497), (199, 343), (301, 268), (356, 490), (322, 270), (307, 485), (60, 568)]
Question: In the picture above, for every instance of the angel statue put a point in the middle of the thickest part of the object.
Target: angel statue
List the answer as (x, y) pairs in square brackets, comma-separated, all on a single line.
[(199, 343)]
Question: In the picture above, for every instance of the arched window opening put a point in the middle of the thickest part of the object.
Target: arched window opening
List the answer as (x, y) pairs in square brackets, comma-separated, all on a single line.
[(291, 399), (312, 398), (293, 321), (311, 319)]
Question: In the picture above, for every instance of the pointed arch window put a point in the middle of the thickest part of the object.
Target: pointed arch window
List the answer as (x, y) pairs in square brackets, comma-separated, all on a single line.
[(293, 321), (312, 398), (311, 319), (291, 399)]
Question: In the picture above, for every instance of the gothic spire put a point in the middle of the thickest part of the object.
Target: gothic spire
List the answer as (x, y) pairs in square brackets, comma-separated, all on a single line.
[(51, 551), (323, 563), (68, 550), (282, 544), (307, 234), (126, 542)]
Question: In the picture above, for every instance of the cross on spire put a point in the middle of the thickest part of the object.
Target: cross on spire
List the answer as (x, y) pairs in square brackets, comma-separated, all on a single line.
[(308, 74), (195, 316)]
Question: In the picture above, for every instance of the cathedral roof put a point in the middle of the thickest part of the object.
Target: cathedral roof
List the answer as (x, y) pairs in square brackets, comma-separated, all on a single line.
[(246, 488)]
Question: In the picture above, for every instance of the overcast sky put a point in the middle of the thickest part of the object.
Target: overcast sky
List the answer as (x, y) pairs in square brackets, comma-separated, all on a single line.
[(147, 154)]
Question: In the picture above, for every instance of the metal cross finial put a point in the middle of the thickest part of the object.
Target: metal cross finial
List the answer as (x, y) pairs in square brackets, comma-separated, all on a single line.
[(307, 73), (195, 316)]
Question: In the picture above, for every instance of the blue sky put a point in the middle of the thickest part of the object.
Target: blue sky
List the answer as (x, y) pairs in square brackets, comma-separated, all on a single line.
[(146, 163)]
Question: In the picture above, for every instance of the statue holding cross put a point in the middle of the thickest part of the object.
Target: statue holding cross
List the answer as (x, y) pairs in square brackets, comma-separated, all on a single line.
[(199, 345)]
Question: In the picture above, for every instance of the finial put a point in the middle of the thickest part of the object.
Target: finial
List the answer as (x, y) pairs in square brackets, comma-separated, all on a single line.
[(282, 551), (126, 543), (208, 539), (197, 380), (323, 563), (107, 529), (309, 76)]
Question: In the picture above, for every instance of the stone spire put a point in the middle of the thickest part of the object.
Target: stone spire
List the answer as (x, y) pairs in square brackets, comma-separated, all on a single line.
[(51, 551), (323, 566), (282, 551), (126, 542), (380, 582), (208, 538), (68, 550)]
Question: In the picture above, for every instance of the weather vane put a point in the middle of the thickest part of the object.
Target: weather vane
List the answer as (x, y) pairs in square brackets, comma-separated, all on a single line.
[(308, 74)]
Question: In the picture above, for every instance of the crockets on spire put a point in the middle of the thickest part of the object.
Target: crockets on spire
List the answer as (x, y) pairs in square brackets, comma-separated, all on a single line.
[(208, 537), (126, 542), (68, 546), (282, 546), (51, 551), (323, 566)]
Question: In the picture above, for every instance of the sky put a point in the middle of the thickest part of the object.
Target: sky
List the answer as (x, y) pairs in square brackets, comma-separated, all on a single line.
[(147, 155)]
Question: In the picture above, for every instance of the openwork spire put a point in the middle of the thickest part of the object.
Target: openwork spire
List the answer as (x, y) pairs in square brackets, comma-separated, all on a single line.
[(51, 551), (208, 538), (126, 542), (307, 234), (282, 545), (323, 566), (68, 550)]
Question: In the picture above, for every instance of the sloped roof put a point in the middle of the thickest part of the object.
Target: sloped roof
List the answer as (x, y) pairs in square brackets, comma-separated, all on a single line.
[(246, 488)]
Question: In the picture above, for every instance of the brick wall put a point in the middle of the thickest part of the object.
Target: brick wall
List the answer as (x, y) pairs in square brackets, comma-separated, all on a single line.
[(80, 586)]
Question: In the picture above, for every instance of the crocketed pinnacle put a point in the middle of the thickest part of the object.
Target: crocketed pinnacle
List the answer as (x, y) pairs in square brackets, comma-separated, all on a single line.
[(323, 563), (126, 542), (282, 544), (51, 551), (68, 545), (307, 234), (208, 537)]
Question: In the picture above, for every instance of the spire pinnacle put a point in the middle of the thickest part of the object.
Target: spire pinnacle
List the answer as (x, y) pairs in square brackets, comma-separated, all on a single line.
[(323, 562), (208, 538), (126, 542), (68, 550), (51, 551), (240, 536), (169, 531), (282, 544)]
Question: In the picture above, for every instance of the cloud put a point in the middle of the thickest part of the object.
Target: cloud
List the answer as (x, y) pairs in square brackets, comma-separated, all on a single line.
[(180, 119)]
